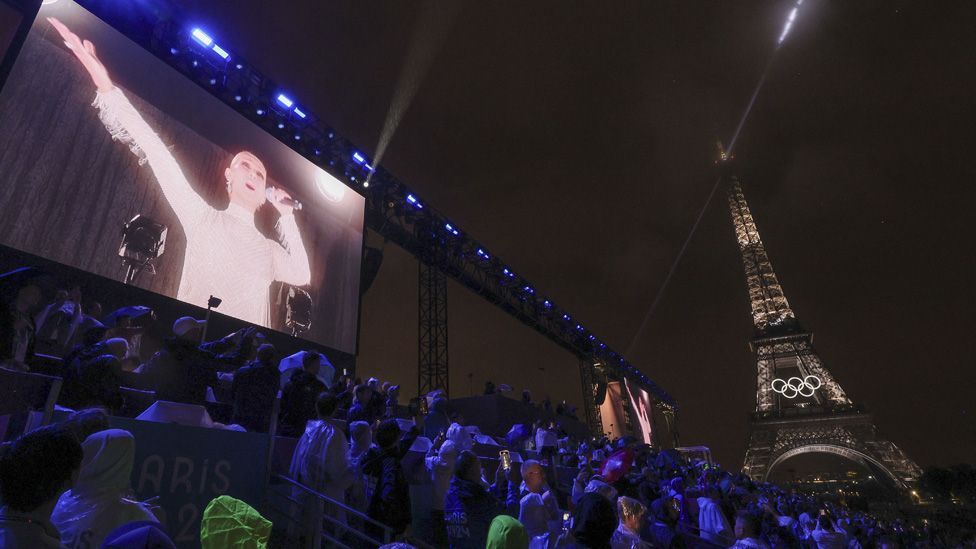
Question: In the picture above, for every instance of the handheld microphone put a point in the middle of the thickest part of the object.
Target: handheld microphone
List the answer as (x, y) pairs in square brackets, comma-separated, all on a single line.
[(291, 202)]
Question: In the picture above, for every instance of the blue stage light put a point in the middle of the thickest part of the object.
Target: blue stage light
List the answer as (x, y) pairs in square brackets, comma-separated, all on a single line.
[(220, 51), (450, 228), (237, 98), (413, 200), (368, 166), (357, 157), (508, 272), (529, 289), (483, 254), (195, 63), (298, 137), (174, 51), (202, 37), (547, 304), (260, 112), (239, 66), (281, 126), (578, 327), (299, 112), (592, 337), (213, 81), (566, 317), (284, 100)]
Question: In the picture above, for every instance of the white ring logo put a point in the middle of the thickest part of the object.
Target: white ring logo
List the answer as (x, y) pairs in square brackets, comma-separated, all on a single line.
[(795, 386)]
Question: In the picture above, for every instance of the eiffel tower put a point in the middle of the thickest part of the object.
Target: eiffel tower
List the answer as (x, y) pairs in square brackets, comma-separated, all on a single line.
[(800, 407)]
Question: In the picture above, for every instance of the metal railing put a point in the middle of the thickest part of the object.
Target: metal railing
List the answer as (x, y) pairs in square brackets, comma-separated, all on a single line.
[(329, 521), (316, 525)]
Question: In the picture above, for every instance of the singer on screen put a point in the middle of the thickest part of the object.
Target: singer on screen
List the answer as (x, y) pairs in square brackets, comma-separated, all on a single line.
[(226, 255)]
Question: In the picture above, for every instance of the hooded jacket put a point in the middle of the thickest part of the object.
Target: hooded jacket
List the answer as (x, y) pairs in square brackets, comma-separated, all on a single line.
[(230, 523), (507, 533), (468, 512), (97, 504)]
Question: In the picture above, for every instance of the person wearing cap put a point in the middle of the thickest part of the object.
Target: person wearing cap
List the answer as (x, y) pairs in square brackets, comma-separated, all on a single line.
[(98, 502), (181, 371)]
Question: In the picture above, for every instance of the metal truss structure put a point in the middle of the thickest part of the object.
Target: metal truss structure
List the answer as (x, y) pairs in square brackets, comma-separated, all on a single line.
[(392, 209), (432, 364), (826, 421)]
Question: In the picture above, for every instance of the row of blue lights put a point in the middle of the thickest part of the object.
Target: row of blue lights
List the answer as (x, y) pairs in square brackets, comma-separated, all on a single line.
[(289, 105)]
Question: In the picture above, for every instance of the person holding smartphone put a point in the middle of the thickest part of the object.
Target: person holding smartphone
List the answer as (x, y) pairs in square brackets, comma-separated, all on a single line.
[(440, 462)]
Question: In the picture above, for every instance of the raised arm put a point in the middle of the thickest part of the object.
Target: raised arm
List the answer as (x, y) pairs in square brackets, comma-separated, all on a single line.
[(125, 124)]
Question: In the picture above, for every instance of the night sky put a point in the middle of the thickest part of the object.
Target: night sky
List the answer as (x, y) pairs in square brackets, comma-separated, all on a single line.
[(576, 141)]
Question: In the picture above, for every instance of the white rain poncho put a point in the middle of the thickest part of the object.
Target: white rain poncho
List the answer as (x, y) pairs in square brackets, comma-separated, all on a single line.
[(98, 502)]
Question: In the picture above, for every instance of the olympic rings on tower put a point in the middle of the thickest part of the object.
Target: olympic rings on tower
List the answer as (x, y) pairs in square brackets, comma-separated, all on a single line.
[(795, 386)]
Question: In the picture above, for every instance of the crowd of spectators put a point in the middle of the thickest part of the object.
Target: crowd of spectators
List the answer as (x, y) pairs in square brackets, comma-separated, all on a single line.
[(69, 483)]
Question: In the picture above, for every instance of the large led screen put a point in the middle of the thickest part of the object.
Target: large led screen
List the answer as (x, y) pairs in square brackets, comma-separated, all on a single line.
[(95, 131)]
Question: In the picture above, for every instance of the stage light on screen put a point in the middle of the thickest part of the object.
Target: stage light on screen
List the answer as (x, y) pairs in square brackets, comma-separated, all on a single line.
[(284, 100), (202, 37), (220, 51), (331, 188)]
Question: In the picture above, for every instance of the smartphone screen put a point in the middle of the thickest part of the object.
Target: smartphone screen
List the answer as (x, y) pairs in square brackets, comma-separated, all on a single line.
[(506, 459)]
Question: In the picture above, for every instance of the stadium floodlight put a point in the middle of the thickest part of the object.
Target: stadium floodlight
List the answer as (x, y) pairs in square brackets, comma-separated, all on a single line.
[(358, 158), (220, 51), (202, 37), (284, 100), (299, 113)]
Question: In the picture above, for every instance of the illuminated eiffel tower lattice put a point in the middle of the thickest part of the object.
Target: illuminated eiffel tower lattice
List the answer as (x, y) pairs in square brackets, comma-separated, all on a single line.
[(800, 407)]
